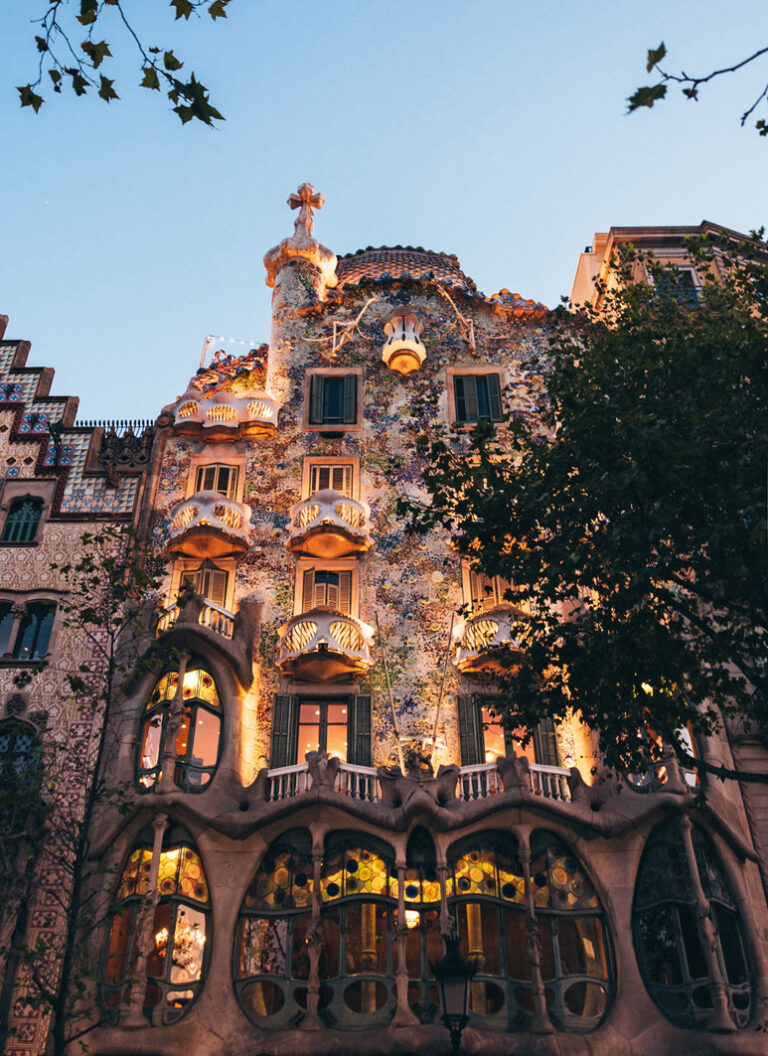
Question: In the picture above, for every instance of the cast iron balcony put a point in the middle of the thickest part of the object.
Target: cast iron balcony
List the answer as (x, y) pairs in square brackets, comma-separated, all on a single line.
[(209, 525), (485, 642), (324, 645), (329, 524)]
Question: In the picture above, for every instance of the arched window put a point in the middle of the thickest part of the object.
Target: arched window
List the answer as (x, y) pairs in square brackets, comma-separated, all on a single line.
[(199, 736), (486, 890), (34, 631), (22, 520), (176, 962), (669, 949), (271, 966)]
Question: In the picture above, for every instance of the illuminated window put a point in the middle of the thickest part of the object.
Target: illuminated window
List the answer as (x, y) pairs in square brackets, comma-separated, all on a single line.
[(340, 726), (483, 739), (335, 476), (219, 478), (486, 891), (177, 958), (22, 521), (667, 940), (198, 739)]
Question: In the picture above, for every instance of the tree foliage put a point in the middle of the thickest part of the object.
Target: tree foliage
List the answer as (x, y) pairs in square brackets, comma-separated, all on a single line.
[(650, 94), (65, 60), (631, 519)]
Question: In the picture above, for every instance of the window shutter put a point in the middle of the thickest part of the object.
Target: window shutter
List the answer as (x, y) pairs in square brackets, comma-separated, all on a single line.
[(344, 602), (470, 398), (216, 586), (494, 397), (359, 731), (471, 748), (330, 591), (459, 399), (308, 590), (350, 398), (545, 743), (285, 731), (316, 399)]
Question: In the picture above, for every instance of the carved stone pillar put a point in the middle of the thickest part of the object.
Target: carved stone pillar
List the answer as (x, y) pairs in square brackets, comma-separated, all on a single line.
[(144, 937), (720, 1020), (312, 1020), (403, 1016), (541, 1023), (167, 782)]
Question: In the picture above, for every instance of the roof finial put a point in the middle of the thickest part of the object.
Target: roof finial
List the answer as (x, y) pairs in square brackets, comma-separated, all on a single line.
[(306, 201)]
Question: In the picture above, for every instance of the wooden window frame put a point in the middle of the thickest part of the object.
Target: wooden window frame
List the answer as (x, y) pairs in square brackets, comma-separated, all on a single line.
[(190, 564), (474, 370), (340, 565), (217, 457), (333, 427), (317, 460)]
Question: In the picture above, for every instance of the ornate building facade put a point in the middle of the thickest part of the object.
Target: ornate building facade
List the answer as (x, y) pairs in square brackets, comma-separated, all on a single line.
[(320, 792)]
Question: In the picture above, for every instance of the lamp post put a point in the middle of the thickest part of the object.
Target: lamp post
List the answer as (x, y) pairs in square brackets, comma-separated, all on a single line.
[(453, 974)]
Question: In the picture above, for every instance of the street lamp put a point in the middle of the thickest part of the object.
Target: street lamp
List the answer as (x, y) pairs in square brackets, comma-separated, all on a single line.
[(453, 974)]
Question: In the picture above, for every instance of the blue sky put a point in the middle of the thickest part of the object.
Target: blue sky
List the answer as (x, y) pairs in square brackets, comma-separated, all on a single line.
[(492, 129)]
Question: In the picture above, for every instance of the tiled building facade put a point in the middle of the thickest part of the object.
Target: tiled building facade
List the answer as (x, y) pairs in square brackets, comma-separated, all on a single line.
[(320, 791)]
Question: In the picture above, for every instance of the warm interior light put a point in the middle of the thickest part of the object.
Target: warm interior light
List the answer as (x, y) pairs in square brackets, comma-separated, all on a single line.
[(412, 918)]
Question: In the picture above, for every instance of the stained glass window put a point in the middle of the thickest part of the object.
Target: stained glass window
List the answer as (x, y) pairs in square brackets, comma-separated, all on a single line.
[(352, 867), (198, 739), (667, 939), (176, 960)]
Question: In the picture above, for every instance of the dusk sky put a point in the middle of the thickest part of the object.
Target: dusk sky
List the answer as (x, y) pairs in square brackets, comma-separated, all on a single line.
[(492, 129)]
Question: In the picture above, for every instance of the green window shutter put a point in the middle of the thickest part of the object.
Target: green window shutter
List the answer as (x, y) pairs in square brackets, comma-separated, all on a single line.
[(494, 397), (316, 399), (545, 743), (359, 731), (469, 731), (350, 398), (465, 393), (285, 731)]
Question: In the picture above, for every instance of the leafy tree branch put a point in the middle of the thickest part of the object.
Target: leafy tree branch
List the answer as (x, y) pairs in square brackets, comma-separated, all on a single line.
[(650, 94), (63, 60)]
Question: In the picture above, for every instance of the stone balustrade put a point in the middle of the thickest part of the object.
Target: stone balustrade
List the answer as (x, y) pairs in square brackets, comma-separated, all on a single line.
[(357, 782), (218, 619), (483, 780), (324, 644), (208, 524), (329, 524), (482, 640)]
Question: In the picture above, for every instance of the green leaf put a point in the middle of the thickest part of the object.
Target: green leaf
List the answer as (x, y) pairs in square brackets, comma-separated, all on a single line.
[(106, 91), (184, 8), (29, 98), (171, 62), (655, 55), (96, 52), (646, 96), (218, 9), (89, 12), (150, 78)]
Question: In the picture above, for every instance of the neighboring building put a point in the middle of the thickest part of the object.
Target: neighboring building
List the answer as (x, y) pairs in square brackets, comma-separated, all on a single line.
[(321, 792), (58, 478)]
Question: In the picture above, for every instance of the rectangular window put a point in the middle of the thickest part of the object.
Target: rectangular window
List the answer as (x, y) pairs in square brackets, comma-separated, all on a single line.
[(477, 396), (485, 592), (217, 478), (340, 726), (327, 588), (333, 399), (483, 738), (336, 477), (210, 582), (34, 631)]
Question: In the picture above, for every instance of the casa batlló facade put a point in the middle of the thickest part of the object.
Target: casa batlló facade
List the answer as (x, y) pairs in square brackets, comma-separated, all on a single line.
[(320, 791)]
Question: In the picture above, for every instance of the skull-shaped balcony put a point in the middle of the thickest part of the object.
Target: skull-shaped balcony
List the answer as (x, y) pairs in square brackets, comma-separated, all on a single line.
[(403, 351), (223, 416), (329, 525), (486, 643), (209, 525), (324, 645)]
